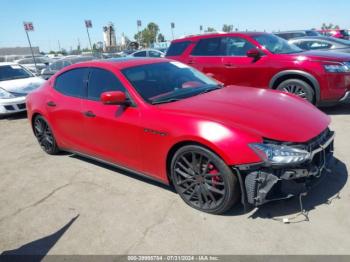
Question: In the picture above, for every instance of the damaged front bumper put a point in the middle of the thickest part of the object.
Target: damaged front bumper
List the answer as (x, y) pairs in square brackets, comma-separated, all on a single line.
[(261, 184)]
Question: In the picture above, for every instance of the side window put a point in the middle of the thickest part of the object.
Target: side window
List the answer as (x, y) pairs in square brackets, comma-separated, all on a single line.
[(209, 47), (140, 54), (236, 46), (101, 81), (71, 83), (314, 45), (177, 48), (154, 53)]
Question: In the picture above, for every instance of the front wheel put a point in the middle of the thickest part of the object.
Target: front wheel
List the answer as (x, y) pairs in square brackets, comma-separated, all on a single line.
[(299, 88), (203, 180), (44, 135)]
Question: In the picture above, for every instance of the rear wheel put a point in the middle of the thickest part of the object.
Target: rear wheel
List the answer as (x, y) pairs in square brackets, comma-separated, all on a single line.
[(299, 88), (44, 135), (203, 180)]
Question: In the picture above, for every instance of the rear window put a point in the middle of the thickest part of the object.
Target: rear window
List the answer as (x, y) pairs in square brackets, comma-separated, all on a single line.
[(71, 83), (177, 48), (209, 47)]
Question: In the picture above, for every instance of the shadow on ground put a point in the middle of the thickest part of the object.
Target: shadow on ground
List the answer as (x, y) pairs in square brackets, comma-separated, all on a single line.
[(327, 191), (37, 248), (337, 110)]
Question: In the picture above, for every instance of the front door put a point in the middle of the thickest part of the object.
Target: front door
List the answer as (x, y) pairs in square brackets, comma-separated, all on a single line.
[(111, 132)]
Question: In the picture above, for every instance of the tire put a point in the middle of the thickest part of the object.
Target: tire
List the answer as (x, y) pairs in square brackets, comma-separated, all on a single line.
[(203, 180), (44, 135), (299, 88)]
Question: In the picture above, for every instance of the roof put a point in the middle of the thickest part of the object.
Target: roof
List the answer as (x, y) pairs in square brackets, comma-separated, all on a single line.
[(218, 34), (124, 62)]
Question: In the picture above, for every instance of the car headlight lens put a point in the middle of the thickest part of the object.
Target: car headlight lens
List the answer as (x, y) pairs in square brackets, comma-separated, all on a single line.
[(340, 68), (5, 95), (278, 154)]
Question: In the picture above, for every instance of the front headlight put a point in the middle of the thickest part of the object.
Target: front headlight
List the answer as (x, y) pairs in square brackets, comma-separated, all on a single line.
[(5, 95), (340, 68), (277, 154)]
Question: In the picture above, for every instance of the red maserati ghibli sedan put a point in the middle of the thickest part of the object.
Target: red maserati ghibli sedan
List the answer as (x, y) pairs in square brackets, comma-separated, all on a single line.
[(167, 121)]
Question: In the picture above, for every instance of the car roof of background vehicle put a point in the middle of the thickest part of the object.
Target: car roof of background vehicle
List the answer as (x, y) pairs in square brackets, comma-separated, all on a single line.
[(294, 31), (7, 63), (218, 34), (120, 63), (324, 38)]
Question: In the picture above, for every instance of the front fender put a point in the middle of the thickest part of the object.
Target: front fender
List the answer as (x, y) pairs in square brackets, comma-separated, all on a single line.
[(230, 144)]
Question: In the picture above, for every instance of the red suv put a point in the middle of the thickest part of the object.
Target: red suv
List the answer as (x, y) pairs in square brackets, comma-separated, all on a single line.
[(267, 61)]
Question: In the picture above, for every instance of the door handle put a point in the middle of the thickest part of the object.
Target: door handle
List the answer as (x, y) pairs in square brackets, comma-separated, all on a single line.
[(190, 62), (228, 65), (51, 104), (89, 114)]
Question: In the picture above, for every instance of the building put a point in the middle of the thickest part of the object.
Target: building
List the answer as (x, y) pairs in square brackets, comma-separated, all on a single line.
[(8, 54), (109, 39)]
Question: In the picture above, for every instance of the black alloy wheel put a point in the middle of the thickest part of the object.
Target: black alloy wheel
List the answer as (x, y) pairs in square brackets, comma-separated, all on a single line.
[(43, 133), (299, 88), (203, 180)]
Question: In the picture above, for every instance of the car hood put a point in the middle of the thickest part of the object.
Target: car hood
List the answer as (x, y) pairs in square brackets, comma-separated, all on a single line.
[(23, 86), (266, 113), (322, 56)]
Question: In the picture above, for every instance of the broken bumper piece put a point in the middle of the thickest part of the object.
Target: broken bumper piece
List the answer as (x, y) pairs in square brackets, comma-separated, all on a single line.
[(263, 184)]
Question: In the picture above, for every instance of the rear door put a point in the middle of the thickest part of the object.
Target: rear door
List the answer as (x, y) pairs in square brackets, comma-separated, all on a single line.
[(207, 56), (65, 107), (111, 132)]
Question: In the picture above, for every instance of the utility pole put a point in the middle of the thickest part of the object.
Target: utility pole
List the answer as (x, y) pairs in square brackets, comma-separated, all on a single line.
[(200, 29), (139, 24), (59, 46), (172, 25), (28, 26), (88, 24)]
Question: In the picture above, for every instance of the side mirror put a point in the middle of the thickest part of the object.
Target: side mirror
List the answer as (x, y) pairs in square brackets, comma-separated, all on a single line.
[(114, 98), (253, 53)]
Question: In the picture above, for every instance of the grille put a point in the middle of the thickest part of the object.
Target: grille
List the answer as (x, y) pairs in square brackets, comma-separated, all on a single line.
[(9, 107), (21, 106), (310, 145)]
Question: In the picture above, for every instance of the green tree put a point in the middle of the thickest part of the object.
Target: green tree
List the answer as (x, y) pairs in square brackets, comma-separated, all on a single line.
[(227, 28), (330, 26), (210, 29), (148, 35)]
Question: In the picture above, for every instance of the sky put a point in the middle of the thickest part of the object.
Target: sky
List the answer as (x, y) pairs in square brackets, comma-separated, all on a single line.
[(63, 20)]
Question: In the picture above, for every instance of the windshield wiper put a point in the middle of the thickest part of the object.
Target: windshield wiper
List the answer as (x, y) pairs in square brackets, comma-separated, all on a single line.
[(165, 101)]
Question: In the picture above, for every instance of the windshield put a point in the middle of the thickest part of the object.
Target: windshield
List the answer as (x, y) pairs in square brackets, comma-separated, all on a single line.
[(169, 81), (10, 72), (276, 45)]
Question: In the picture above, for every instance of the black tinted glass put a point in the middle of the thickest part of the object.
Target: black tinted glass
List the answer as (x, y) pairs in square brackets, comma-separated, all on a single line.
[(140, 54), (71, 83), (209, 47), (102, 81), (178, 48)]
